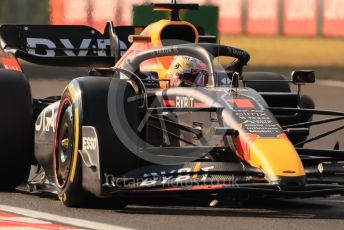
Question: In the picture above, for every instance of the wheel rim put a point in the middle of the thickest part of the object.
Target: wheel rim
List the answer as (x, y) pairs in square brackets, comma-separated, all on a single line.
[(63, 156)]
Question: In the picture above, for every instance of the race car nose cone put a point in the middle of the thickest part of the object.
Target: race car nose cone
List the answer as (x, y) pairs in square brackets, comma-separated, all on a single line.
[(292, 183)]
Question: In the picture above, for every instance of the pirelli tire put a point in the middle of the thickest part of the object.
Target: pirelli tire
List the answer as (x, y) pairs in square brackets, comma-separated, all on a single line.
[(16, 132), (85, 100)]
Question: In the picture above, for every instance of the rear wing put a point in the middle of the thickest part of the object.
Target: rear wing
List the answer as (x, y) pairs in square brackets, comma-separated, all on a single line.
[(67, 45), (61, 45)]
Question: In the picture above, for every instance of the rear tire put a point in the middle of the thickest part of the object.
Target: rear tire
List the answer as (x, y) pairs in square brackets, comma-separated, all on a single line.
[(16, 132)]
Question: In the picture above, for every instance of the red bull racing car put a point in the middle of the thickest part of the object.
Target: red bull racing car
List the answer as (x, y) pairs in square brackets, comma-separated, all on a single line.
[(148, 120)]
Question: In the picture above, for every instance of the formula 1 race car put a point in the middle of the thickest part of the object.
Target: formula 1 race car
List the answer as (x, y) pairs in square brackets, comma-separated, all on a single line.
[(127, 130)]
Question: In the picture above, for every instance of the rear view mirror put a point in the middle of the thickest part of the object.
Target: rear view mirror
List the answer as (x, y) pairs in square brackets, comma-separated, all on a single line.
[(303, 76)]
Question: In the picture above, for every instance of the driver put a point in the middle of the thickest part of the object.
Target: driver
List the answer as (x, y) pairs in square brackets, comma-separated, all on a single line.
[(187, 71)]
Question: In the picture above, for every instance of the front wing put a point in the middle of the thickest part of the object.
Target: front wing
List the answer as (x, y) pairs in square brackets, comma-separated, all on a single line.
[(236, 179)]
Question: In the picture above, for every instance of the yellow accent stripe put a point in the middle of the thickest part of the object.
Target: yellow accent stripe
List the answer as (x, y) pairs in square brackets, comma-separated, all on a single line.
[(76, 143), (72, 92), (76, 133), (196, 169)]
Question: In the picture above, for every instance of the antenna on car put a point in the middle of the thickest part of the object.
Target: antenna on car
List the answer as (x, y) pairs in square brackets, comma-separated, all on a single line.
[(114, 41), (174, 8)]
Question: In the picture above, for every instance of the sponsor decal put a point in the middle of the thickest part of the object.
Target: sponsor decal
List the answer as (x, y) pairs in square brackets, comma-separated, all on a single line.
[(46, 121), (258, 122), (89, 138), (184, 102), (164, 178), (165, 51), (90, 151), (89, 143), (10, 64), (235, 51), (48, 47)]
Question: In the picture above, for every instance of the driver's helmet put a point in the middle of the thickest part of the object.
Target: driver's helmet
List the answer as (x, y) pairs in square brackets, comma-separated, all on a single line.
[(187, 71)]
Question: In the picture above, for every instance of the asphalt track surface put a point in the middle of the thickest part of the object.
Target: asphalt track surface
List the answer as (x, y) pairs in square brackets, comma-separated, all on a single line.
[(315, 213)]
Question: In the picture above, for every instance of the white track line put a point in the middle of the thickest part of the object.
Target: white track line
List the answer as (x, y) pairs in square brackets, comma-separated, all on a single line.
[(331, 83), (60, 219)]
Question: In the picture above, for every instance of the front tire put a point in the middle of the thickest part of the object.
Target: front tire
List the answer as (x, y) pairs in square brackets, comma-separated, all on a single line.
[(85, 103)]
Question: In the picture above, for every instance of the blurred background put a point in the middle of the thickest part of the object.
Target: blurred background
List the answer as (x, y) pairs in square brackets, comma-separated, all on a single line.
[(281, 35)]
